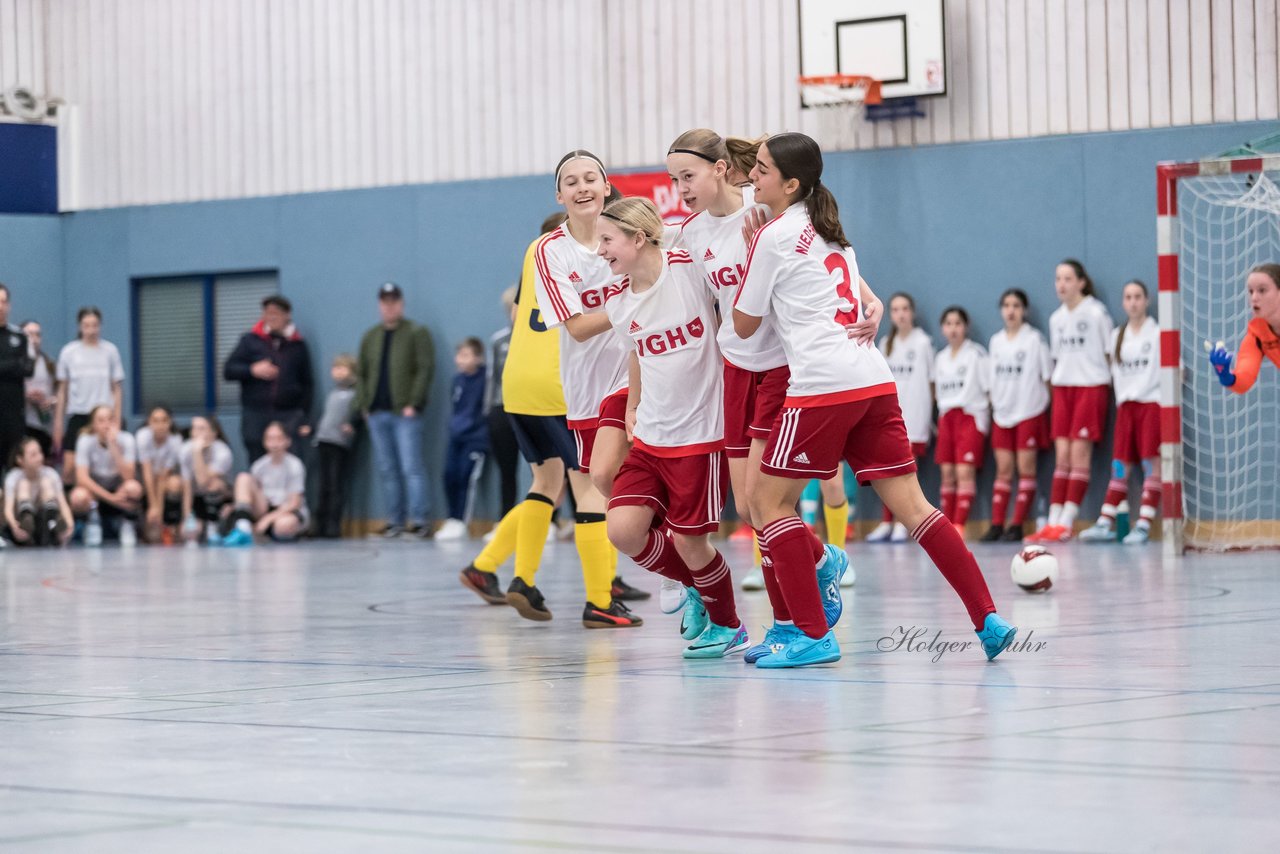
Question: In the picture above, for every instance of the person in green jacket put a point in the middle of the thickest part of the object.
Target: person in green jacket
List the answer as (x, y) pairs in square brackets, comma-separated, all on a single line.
[(393, 374)]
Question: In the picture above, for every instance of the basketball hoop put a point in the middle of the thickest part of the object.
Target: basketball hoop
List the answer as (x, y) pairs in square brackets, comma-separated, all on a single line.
[(840, 100)]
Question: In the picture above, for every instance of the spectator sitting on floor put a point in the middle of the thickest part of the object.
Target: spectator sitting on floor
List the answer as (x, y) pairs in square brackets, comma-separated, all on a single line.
[(35, 504), (270, 500), (107, 488)]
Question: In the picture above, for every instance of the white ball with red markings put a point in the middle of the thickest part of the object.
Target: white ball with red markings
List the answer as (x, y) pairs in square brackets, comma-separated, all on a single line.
[(1034, 569)]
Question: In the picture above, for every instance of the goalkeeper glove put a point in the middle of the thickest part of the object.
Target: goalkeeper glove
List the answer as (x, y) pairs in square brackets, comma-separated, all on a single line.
[(1220, 358)]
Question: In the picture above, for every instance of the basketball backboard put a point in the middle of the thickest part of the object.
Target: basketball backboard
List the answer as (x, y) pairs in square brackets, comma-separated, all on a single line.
[(900, 42)]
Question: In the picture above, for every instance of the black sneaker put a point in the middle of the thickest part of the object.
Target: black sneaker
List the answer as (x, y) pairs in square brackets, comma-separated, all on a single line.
[(1012, 534), (616, 616), (485, 584), (993, 534), (528, 601), (624, 591), (391, 532), (418, 532)]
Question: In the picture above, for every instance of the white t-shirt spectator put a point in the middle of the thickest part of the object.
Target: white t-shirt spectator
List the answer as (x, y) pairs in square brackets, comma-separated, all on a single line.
[(97, 458), (279, 481), (1079, 338), (1020, 366), (41, 379), (163, 457), (1137, 374), (962, 382), (47, 476), (912, 364), (217, 459), (90, 374)]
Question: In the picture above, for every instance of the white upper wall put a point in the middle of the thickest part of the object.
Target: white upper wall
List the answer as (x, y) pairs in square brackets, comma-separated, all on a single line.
[(181, 100)]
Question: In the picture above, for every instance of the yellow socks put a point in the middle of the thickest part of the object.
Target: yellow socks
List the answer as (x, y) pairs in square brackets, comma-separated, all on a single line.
[(837, 519), (531, 537), (503, 544), (599, 558)]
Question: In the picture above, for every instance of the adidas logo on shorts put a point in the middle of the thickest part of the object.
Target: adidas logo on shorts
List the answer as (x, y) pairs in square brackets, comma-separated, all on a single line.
[(709, 256), (575, 278), (801, 458), (635, 327)]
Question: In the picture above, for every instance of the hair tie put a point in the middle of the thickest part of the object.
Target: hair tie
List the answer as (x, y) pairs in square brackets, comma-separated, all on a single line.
[(706, 157), (582, 156)]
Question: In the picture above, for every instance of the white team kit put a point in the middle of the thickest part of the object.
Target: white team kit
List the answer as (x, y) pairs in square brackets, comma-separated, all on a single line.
[(671, 328), (1019, 368), (811, 312), (162, 457), (573, 279), (911, 362), (716, 246), (961, 380), (1137, 375), (1078, 340)]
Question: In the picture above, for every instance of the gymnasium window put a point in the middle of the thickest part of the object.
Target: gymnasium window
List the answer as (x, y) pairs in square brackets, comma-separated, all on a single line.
[(184, 327)]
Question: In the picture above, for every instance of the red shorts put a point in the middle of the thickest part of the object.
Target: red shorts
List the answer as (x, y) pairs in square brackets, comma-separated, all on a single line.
[(810, 441), (919, 449), (959, 440), (613, 413), (1137, 433), (685, 493), (752, 400), (1029, 435), (1080, 412)]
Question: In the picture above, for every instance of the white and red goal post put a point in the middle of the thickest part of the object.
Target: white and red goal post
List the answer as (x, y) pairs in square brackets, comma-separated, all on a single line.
[(1216, 219)]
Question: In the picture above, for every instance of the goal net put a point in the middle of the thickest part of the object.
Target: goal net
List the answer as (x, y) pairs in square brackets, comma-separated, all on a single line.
[(1220, 218)]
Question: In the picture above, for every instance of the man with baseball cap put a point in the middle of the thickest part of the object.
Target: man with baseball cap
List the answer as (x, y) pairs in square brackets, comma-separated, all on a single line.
[(397, 358)]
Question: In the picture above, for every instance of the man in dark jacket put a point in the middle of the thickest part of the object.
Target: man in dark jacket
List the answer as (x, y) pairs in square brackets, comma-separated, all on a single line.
[(273, 367), (393, 372), (15, 366)]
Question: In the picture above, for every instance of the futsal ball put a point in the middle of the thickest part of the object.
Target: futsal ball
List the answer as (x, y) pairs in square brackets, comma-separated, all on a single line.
[(1034, 569)]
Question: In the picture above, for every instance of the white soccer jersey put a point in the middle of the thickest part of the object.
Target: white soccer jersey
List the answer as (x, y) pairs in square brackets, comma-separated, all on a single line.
[(962, 382), (163, 457), (279, 481), (715, 243), (1137, 374), (1078, 339), (1019, 367), (573, 279), (810, 288), (911, 362), (670, 327), (217, 459), (95, 455)]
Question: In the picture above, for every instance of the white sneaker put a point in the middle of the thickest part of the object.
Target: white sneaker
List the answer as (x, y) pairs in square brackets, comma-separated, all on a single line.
[(672, 595), (881, 532), (900, 533), (452, 529), (128, 534), (1139, 536), (753, 580), (850, 577), (488, 538), (564, 533), (1099, 533), (93, 530)]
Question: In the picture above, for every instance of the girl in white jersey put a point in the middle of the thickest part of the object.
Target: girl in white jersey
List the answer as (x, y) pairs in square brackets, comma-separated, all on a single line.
[(1020, 370), (674, 476), (572, 285), (909, 351), (964, 415), (1135, 372), (1079, 332), (841, 404)]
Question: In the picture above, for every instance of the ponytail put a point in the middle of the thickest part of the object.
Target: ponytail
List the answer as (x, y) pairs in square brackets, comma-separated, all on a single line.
[(798, 156), (893, 328), (1075, 265)]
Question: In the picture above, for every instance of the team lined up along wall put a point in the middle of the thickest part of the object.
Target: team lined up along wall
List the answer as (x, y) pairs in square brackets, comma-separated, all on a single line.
[(181, 100)]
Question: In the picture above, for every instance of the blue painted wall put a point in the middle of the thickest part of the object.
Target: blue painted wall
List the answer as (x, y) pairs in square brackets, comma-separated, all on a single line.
[(949, 224)]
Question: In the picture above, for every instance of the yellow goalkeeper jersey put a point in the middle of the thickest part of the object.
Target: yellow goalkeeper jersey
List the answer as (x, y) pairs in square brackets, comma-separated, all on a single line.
[(531, 376)]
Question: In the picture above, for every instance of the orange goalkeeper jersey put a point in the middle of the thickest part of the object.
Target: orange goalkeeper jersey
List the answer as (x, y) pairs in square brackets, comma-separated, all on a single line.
[(1259, 341)]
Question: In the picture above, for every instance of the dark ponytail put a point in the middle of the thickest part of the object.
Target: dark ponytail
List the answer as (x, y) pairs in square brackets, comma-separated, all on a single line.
[(1075, 265), (798, 156), (1125, 325)]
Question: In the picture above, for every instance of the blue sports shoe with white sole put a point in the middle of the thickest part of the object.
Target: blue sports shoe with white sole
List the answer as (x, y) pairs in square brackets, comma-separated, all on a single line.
[(775, 639), (693, 621), (829, 575), (803, 651), (718, 642), (996, 635), (237, 539)]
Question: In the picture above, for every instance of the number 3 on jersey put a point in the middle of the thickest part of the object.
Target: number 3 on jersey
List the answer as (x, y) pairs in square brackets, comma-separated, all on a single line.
[(847, 311)]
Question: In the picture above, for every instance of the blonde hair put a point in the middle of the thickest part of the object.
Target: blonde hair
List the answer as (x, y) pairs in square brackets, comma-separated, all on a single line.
[(634, 215), (345, 360), (509, 297), (701, 142), (741, 152)]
